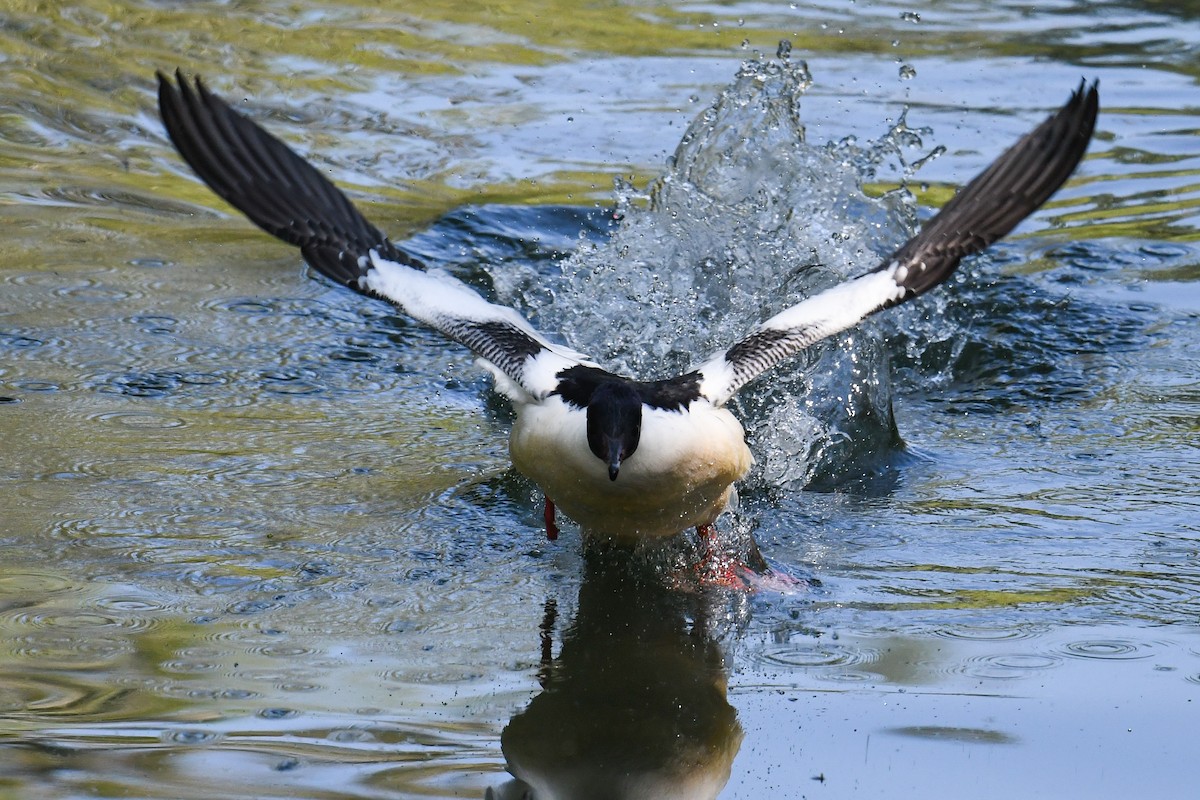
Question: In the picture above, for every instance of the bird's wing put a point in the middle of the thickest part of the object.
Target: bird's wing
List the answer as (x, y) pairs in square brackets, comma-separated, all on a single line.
[(988, 207), (284, 195)]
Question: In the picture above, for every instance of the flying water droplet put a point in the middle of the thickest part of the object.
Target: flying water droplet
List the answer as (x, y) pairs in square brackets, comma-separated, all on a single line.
[(748, 219)]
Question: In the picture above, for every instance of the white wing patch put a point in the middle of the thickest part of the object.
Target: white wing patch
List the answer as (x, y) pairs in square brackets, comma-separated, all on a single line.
[(435, 296), (791, 330), (840, 307), (524, 364)]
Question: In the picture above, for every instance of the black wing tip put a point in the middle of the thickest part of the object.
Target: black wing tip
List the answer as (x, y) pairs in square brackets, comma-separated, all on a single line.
[(271, 184), (994, 202), (171, 93), (1086, 102), (164, 78), (1091, 106), (1092, 90)]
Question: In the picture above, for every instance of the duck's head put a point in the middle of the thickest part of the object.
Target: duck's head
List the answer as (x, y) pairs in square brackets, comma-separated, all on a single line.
[(614, 424)]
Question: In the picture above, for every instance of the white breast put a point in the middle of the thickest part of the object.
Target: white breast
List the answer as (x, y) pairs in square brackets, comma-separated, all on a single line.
[(679, 477)]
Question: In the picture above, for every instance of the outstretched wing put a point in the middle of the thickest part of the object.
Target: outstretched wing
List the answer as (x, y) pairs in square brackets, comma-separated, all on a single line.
[(990, 206), (285, 196)]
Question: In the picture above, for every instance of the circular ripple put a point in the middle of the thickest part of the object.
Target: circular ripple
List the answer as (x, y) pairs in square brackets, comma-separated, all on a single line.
[(94, 292), (36, 386), (284, 651), (50, 651), (191, 736), (128, 604), (26, 583), (74, 620), (278, 713), (853, 676), (990, 633), (138, 384), (79, 620), (291, 383), (188, 666), (1107, 649), (243, 473), (1162, 601), (243, 306), (141, 419), (821, 656), (1007, 666), (127, 534), (300, 687), (222, 694)]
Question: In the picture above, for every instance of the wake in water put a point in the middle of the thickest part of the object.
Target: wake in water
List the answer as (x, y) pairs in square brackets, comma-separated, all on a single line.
[(747, 220)]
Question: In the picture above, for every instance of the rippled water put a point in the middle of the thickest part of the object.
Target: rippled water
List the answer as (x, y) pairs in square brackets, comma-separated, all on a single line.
[(261, 538)]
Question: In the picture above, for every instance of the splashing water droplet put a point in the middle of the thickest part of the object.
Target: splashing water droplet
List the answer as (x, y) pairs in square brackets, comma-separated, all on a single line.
[(747, 220)]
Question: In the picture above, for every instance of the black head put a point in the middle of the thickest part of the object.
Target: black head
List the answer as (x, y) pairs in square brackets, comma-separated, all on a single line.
[(614, 423)]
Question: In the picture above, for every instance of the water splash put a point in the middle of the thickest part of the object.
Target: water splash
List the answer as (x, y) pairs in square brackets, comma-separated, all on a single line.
[(747, 220)]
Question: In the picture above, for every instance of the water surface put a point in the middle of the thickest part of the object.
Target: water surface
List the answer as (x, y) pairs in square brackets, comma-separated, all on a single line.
[(261, 537)]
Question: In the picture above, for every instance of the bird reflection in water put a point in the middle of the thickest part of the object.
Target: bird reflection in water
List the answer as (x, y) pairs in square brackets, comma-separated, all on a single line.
[(634, 705)]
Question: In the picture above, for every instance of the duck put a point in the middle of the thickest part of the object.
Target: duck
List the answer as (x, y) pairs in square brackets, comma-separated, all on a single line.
[(624, 458)]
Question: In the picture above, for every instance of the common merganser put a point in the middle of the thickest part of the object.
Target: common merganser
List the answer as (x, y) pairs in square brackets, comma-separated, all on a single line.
[(624, 458)]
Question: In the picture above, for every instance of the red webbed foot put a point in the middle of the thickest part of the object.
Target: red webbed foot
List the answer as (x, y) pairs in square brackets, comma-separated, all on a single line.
[(721, 568)]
